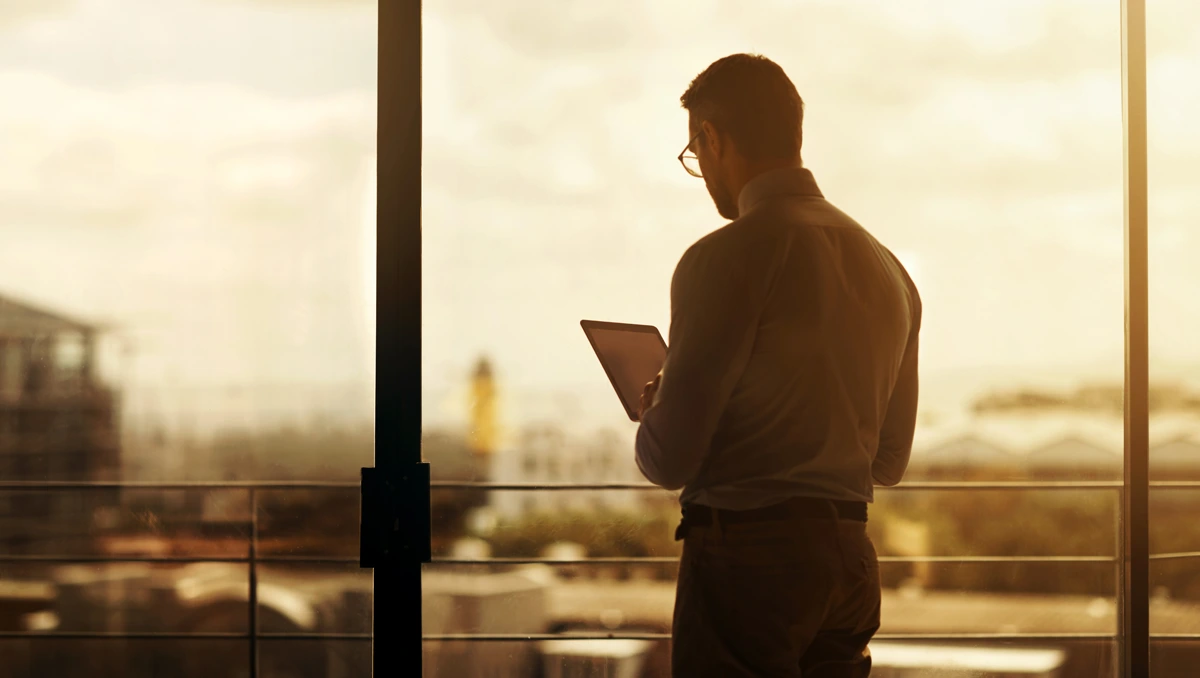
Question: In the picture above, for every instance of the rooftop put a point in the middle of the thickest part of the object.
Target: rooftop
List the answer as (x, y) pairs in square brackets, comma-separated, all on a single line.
[(21, 319)]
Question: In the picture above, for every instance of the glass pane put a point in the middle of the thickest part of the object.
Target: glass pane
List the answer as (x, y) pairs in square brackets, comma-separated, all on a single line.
[(1173, 58), (980, 141), (1175, 657), (184, 285)]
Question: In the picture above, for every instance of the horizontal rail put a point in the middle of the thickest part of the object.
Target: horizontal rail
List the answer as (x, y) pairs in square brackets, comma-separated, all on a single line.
[(916, 485), (121, 635), (997, 559), (631, 560), (653, 560), (266, 560), (51, 485), (535, 637), (1184, 555), (174, 635), (528, 637), (1175, 484)]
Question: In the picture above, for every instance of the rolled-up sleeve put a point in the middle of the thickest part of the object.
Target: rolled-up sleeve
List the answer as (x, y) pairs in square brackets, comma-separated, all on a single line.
[(717, 297)]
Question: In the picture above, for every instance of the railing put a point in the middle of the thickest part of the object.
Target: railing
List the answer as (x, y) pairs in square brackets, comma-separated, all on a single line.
[(1117, 487), (253, 558)]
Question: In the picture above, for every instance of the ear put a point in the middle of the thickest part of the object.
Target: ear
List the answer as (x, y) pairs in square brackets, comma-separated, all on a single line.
[(712, 139)]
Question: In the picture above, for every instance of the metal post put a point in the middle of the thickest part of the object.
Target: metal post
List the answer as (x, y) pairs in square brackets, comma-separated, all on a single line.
[(1118, 657), (1135, 523), (253, 566), (396, 648)]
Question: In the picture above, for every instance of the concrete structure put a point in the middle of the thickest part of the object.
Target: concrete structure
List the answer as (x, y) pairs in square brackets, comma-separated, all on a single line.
[(56, 423)]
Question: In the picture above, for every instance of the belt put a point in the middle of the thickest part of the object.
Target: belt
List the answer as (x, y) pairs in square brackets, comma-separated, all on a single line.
[(698, 515)]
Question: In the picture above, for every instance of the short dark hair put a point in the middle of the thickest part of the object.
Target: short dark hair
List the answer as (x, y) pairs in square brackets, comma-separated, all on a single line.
[(751, 99)]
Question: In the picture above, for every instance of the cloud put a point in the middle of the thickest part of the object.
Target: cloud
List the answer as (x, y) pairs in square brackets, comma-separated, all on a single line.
[(231, 216), (281, 50), (13, 12), (550, 29), (940, 125), (993, 104)]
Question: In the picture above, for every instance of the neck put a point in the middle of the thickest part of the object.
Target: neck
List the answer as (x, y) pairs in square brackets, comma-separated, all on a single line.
[(751, 170)]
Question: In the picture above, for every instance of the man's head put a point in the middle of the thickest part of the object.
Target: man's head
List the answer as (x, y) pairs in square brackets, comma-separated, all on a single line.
[(744, 118)]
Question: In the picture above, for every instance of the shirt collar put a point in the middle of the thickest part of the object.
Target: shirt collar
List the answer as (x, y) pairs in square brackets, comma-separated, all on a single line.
[(776, 184)]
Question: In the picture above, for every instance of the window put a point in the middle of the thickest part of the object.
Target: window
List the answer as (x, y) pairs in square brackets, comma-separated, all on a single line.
[(1173, 57), (184, 314), (209, 210), (981, 141)]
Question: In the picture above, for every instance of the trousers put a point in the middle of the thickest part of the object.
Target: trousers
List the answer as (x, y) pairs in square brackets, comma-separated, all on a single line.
[(796, 597)]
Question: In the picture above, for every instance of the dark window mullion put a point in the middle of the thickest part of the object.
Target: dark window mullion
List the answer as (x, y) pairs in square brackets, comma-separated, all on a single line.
[(1135, 584), (396, 650)]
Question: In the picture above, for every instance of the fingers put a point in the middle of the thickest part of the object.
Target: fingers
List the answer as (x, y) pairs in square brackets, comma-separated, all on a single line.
[(647, 398)]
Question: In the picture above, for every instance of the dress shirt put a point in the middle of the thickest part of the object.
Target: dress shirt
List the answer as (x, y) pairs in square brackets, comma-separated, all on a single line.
[(791, 367)]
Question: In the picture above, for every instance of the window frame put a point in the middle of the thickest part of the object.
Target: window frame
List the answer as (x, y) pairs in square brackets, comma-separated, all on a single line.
[(399, 331), (397, 645), (1133, 603)]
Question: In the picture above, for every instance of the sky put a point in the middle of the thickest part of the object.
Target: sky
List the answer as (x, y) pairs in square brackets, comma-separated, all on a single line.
[(198, 174)]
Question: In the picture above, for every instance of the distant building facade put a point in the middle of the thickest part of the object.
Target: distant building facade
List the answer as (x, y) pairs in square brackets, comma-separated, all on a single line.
[(56, 423), (1051, 448), (546, 455)]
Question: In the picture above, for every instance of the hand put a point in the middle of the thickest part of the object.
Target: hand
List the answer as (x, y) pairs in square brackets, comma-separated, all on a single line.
[(648, 394)]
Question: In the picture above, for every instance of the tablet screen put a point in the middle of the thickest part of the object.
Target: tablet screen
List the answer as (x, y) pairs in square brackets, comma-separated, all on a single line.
[(631, 356)]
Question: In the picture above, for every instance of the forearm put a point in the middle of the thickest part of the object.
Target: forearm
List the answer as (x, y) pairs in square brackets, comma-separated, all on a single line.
[(889, 467), (899, 424), (669, 469)]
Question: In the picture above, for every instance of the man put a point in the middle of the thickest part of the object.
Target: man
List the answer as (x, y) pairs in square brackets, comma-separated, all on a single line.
[(789, 390)]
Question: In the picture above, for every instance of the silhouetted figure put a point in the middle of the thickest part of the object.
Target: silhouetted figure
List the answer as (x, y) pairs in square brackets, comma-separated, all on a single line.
[(789, 390)]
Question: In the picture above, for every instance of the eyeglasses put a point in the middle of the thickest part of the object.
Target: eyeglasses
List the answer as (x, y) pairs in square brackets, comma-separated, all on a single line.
[(688, 158)]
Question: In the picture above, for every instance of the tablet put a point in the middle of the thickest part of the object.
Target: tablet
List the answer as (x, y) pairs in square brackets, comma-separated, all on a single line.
[(631, 355)]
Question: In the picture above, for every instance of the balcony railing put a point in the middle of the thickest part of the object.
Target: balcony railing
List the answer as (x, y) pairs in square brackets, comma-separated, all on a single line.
[(253, 559), (1114, 486)]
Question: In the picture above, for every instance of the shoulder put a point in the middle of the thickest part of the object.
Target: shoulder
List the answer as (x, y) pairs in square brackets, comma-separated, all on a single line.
[(914, 295), (736, 255), (744, 239)]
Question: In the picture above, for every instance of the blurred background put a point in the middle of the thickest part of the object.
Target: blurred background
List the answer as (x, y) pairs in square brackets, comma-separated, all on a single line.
[(187, 295)]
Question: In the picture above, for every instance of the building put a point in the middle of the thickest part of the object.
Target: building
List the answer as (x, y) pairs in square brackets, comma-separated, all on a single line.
[(1076, 456), (965, 456), (1176, 458), (547, 455), (57, 422), (1050, 448)]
